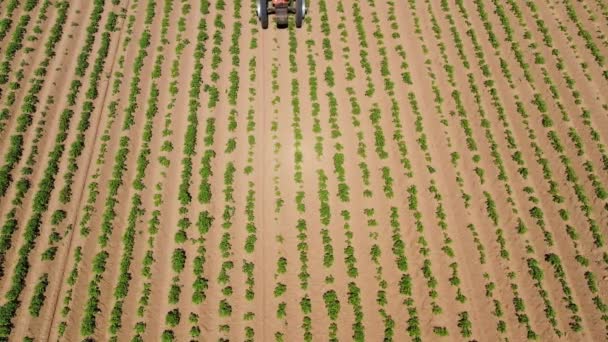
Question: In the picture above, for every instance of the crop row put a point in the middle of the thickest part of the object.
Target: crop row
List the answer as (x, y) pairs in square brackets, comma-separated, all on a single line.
[(93, 192), (88, 322), (42, 196)]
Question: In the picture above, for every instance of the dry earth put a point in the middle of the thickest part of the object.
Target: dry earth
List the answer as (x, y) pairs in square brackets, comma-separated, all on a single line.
[(393, 170)]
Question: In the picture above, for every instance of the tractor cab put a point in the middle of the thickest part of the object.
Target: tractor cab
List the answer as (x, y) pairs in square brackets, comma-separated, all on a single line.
[(281, 9)]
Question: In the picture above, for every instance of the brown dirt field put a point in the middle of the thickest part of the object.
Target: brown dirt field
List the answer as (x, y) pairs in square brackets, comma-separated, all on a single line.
[(394, 171)]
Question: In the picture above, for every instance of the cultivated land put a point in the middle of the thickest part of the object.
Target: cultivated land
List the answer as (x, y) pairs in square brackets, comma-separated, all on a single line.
[(397, 170)]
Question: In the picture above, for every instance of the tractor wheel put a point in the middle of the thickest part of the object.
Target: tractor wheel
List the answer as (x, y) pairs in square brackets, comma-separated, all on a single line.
[(263, 12), (300, 12)]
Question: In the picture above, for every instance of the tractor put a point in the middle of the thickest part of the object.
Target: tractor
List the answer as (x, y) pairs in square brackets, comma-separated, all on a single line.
[(282, 9)]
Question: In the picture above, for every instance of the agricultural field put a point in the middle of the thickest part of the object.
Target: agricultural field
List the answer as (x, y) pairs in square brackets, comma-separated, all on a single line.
[(424, 170)]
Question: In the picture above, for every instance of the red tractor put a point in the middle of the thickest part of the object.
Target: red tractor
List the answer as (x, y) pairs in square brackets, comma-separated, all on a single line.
[(281, 8)]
